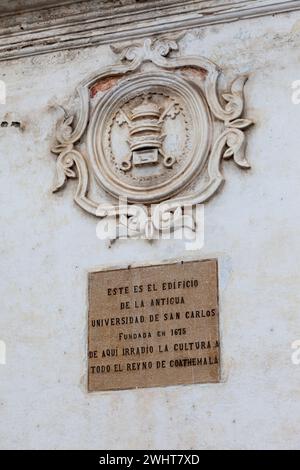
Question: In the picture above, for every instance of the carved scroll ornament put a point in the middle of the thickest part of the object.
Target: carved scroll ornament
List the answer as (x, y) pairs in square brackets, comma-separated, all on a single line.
[(154, 128)]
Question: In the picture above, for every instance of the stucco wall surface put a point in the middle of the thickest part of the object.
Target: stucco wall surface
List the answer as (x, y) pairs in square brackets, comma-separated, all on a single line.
[(252, 226)]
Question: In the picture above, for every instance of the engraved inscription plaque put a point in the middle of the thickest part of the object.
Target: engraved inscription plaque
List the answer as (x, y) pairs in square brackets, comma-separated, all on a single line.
[(153, 326)]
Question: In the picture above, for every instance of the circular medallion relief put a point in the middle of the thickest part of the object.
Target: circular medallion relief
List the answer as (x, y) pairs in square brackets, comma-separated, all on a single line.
[(149, 137)]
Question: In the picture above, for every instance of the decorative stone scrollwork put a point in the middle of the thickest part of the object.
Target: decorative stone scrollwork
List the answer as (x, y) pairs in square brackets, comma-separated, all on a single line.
[(155, 128)]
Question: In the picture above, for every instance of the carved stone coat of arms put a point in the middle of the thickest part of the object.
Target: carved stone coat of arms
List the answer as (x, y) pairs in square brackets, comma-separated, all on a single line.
[(151, 129)]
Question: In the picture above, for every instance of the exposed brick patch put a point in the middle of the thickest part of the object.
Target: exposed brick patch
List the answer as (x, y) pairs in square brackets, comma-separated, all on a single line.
[(105, 84)]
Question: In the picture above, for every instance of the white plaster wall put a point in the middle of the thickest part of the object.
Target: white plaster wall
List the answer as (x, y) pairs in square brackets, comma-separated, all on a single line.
[(252, 226)]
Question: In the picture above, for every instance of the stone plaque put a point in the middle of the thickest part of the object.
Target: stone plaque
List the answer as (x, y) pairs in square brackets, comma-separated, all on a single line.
[(153, 326)]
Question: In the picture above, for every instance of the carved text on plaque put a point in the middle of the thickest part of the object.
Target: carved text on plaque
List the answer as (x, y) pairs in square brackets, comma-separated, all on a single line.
[(153, 326)]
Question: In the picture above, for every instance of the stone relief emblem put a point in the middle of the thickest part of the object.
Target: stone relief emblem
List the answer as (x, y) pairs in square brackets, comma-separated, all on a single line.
[(151, 129), (145, 124)]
